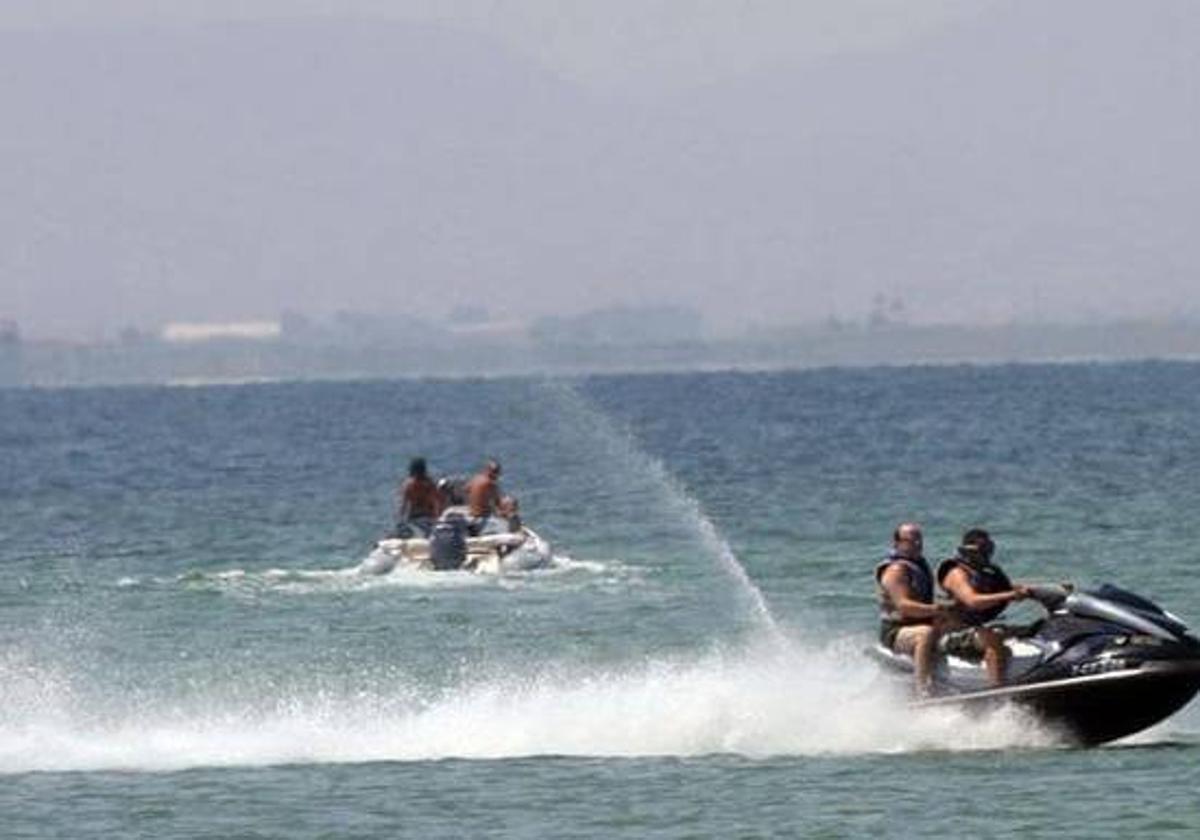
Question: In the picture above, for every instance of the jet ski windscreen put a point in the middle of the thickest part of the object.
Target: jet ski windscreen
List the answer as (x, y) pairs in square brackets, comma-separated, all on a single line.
[(1146, 608)]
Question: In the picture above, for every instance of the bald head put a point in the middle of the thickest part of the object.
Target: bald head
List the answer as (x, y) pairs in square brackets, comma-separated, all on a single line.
[(908, 539)]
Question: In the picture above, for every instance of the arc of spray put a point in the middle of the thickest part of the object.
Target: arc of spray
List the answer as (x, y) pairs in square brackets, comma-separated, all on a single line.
[(679, 496)]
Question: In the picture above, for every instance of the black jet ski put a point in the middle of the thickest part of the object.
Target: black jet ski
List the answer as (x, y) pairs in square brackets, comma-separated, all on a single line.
[(1102, 664)]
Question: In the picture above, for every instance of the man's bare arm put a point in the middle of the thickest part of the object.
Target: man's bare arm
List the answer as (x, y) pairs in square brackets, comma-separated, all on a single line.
[(895, 583), (959, 585)]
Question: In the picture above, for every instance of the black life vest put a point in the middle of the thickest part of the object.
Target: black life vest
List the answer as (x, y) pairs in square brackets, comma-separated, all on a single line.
[(920, 583), (985, 578)]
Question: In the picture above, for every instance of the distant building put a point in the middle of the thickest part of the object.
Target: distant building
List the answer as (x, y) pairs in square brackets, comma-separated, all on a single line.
[(652, 325), (131, 336), (887, 312), (504, 331), (10, 354), (194, 332), (350, 329), (468, 314), (297, 327)]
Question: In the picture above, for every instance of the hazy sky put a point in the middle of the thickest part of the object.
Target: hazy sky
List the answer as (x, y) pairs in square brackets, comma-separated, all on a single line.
[(764, 162), (629, 47)]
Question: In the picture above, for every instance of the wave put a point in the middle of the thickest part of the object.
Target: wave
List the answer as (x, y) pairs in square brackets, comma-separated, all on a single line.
[(759, 702)]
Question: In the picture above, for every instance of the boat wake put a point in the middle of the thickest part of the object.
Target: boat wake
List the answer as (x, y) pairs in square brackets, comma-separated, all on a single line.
[(365, 576)]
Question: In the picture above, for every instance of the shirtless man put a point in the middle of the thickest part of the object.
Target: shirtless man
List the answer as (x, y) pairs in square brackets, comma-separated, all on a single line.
[(483, 495), (910, 621), (419, 502)]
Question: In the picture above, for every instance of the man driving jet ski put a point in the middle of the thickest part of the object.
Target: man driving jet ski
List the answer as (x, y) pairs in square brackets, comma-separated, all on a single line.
[(981, 591)]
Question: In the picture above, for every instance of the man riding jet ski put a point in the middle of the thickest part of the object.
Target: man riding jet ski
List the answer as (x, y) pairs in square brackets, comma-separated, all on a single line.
[(913, 623), (980, 591), (1102, 664)]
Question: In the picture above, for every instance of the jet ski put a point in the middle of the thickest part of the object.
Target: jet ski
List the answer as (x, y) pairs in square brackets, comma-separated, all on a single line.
[(1101, 665), (501, 546)]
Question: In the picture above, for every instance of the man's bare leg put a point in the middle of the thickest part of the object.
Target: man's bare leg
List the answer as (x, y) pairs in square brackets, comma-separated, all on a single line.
[(995, 655), (919, 640)]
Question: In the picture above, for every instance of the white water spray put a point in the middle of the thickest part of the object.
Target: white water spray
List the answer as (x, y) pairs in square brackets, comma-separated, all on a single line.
[(765, 701), (621, 445)]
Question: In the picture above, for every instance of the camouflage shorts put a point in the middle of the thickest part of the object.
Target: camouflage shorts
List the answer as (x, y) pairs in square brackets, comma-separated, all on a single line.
[(964, 643)]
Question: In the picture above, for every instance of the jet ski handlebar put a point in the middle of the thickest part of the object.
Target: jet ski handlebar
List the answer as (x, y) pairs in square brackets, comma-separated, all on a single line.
[(1050, 595)]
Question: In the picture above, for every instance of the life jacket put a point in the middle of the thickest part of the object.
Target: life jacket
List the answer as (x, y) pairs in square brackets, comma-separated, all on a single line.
[(985, 578), (920, 583)]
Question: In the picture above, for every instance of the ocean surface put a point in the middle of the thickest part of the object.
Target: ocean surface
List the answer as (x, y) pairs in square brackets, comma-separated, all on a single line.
[(188, 649)]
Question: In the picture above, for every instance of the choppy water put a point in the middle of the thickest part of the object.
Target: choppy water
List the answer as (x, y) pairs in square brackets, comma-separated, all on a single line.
[(187, 649)]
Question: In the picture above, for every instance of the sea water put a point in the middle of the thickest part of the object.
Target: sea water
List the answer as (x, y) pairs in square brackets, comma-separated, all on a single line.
[(188, 647)]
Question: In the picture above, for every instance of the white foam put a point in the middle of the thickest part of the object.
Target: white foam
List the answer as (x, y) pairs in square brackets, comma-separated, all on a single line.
[(366, 576), (771, 701)]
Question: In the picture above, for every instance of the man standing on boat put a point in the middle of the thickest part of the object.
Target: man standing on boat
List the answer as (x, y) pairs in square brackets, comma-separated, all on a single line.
[(910, 621)]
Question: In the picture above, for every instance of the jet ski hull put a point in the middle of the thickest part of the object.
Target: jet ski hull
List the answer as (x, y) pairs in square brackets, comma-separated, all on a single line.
[(1097, 708)]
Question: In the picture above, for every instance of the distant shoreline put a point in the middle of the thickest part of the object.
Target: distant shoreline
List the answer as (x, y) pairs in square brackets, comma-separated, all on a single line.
[(239, 362)]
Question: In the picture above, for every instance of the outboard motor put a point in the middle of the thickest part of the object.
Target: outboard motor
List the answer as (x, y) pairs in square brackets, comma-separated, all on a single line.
[(448, 544)]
